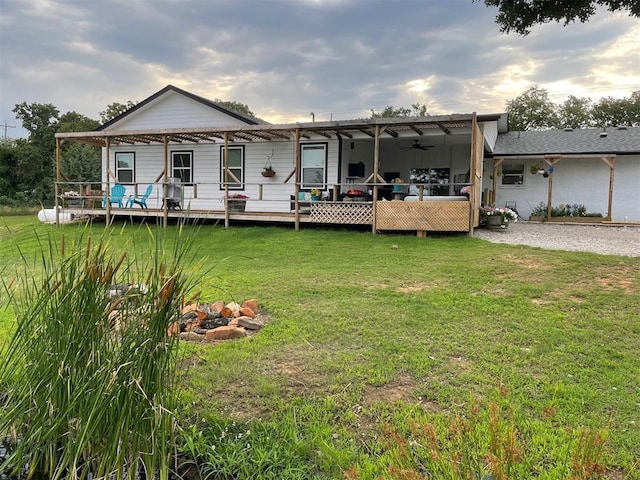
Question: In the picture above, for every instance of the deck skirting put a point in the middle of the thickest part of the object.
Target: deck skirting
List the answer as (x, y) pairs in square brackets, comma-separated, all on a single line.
[(342, 213), (423, 216)]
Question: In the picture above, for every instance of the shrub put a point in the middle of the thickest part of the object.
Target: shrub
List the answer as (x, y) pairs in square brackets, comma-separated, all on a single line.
[(88, 376)]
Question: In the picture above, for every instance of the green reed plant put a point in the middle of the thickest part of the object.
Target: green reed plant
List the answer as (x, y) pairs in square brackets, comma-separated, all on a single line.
[(89, 377)]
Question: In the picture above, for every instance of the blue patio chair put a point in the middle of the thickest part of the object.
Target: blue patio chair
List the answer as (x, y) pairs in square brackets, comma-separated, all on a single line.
[(117, 195), (142, 201)]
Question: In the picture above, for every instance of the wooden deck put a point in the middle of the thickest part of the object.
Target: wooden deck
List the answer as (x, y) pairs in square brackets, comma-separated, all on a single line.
[(421, 217)]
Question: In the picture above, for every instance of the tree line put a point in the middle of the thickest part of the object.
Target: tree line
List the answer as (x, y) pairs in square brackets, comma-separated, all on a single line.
[(28, 167)]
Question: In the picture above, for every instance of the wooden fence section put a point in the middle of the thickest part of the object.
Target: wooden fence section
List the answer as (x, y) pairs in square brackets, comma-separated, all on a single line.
[(343, 213), (423, 216)]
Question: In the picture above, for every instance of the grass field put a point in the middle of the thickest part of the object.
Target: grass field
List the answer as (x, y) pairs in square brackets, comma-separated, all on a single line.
[(391, 356)]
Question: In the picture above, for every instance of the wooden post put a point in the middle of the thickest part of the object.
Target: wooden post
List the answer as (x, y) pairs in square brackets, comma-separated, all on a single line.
[(56, 189), (225, 179), (376, 167), (472, 173), (296, 187), (165, 185), (107, 145), (549, 196), (611, 162)]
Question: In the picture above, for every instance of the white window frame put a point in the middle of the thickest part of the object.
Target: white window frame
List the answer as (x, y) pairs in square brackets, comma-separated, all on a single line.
[(182, 168), (304, 182), (238, 171), (121, 170), (516, 175)]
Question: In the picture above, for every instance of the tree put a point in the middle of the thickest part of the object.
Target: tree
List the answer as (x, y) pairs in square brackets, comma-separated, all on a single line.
[(613, 112), (520, 15), (532, 110), (237, 107), (114, 109), (80, 163), (76, 122), (39, 119), (389, 111), (575, 113)]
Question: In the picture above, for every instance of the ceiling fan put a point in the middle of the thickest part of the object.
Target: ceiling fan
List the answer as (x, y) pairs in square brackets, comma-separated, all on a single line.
[(419, 146)]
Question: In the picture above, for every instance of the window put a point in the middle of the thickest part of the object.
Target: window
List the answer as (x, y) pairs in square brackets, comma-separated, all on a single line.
[(314, 165), (235, 166), (512, 174), (182, 166), (436, 180), (125, 167)]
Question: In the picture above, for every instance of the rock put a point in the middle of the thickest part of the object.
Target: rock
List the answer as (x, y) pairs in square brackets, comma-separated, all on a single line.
[(225, 333), (250, 323), (174, 329), (190, 325), (210, 323), (233, 322), (216, 307), (189, 308), (191, 336), (252, 304), (235, 308), (246, 312)]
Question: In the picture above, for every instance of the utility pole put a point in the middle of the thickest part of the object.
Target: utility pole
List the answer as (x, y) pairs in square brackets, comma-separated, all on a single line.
[(5, 125)]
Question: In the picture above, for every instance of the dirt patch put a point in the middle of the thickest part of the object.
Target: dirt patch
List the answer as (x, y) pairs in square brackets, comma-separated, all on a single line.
[(413, 287), (400, 389)]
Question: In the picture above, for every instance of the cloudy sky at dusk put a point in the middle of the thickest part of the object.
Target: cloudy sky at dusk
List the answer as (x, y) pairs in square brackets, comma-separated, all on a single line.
[(287, 58)]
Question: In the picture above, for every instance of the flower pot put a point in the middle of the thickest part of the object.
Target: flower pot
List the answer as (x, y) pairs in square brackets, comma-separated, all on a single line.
[(268, 173), (397, 188), (315, 198), (494, 221), (236, 205)]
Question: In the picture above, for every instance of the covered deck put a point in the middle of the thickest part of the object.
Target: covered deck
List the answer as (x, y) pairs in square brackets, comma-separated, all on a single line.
[(424, 214)]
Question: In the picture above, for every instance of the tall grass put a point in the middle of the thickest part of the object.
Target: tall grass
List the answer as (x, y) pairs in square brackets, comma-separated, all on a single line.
[(88, 377)]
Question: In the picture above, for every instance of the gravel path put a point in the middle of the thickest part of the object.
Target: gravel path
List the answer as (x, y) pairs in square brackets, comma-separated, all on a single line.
[(613, 240)]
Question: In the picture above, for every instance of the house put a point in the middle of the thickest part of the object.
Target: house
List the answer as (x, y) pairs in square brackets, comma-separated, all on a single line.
[(198, 156), (598, 168)]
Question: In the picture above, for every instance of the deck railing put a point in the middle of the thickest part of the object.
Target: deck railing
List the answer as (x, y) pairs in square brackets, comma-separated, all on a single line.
[(336, 205)]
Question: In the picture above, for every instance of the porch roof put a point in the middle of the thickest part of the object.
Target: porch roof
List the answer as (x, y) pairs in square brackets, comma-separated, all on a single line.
[(392, 127)]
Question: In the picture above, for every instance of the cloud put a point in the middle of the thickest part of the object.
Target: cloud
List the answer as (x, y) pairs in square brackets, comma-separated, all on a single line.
[(287, 58)]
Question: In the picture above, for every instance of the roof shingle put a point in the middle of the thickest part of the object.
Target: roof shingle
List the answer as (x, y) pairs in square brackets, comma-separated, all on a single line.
[(611, 140)]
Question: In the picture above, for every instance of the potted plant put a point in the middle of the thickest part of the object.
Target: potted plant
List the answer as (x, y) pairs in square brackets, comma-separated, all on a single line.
[(72, 198), (237, 202), (315, 194), (397, 184), (268, 171), (497, 217)]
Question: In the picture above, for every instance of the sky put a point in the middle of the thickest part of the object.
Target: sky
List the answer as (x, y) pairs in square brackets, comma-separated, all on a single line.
[(285, 59)]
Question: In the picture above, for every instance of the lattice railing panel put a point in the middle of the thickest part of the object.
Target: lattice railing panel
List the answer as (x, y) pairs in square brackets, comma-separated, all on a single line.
[(432, 216), (349, 213)]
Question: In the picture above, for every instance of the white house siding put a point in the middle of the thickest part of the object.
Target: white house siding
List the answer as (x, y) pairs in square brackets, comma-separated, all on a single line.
[(490, 134), (149, 164), (173, 110), (577, 180)]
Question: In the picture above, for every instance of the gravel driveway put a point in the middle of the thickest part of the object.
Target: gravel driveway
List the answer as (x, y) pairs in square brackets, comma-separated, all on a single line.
[(613, 240)]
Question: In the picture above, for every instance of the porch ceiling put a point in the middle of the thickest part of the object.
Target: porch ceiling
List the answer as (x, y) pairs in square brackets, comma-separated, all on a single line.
[(389, 127)]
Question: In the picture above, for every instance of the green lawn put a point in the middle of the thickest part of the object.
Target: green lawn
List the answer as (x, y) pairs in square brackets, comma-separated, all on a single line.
[(372, 342)]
